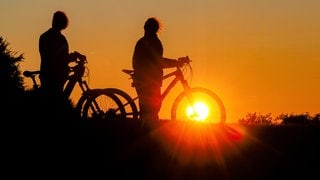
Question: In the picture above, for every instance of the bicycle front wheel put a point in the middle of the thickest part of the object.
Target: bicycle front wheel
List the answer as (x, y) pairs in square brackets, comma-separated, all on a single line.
[(83, 99), (198, 104), (102, 104)]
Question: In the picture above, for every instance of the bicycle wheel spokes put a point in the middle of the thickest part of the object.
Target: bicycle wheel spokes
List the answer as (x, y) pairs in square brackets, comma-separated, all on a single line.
[(81, 102), (130, 108), (103, 105), (198, 104)]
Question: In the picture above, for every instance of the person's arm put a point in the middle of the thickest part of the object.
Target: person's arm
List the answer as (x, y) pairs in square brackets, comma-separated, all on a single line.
[(168, 63)]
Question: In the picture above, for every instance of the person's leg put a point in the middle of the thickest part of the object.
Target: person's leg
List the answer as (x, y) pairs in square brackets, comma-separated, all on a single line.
[(150, 103), (155, 103)]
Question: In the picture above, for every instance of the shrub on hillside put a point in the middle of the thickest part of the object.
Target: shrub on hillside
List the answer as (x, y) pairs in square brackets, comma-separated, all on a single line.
[(10, 78), (10, 75), (282, 119), (256, 119)]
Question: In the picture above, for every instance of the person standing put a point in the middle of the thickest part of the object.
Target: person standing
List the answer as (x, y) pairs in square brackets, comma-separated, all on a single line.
[(54, 69), (55, 57), (148, 63)]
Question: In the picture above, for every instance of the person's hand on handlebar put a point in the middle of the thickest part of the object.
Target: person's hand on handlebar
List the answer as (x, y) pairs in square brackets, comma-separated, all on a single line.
[(183, 60), (76, 55)]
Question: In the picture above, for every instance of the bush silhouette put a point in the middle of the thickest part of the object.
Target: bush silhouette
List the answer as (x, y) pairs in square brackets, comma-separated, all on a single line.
[(10, 78), (282, 119), (25, 105), (296, 119), (256, 119)]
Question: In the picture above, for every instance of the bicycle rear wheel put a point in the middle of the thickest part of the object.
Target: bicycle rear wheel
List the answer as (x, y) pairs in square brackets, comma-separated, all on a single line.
[(130, 108), (102, 104), (198, 104)]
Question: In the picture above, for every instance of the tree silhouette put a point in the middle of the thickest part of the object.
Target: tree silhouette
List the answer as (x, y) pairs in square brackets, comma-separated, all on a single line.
[(10, 77)]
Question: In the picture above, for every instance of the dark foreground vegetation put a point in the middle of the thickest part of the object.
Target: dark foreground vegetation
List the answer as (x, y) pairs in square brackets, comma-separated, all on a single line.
[(71, 148), (41, 139)]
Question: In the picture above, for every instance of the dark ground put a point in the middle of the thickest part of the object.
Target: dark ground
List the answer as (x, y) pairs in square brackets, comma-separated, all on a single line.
[(125, 150)]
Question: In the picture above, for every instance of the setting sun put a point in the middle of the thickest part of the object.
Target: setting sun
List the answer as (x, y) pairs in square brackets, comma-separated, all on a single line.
[(199, 112)]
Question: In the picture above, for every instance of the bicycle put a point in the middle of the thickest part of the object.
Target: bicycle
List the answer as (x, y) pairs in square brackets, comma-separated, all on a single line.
[(99, 107), (193, 103)]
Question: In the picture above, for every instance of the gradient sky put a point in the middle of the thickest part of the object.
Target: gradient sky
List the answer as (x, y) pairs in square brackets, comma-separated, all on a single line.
[(258, 56)]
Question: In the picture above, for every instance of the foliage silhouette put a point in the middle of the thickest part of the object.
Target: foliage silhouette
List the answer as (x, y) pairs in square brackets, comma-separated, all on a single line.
[(10, 77), (300, 119), (282, 119), (21, 106), (256, 119)]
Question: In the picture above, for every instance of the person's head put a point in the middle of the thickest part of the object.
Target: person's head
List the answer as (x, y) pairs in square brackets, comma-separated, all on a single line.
[(60, 20), (152, 25)]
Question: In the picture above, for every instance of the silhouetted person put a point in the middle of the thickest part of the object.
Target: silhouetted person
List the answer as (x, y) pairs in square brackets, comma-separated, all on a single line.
[(55, 57), (148, 63), (54, 71)]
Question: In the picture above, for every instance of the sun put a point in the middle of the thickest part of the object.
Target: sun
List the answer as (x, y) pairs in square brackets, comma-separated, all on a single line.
[(199, 112)]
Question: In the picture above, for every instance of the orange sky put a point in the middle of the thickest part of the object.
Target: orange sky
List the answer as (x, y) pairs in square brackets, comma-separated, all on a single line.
[(257, 56)]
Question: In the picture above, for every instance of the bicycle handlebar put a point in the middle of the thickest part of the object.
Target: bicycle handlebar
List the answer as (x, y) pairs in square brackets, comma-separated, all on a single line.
[(74, 57), (184, 60), (77, 57)]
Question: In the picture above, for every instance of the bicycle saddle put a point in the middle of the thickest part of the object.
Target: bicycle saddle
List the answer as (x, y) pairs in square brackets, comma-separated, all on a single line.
[(128, 71), (30, 73)]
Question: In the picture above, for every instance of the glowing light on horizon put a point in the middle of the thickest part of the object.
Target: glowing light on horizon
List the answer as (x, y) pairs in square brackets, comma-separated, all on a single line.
[(199, 112), (192, 143)]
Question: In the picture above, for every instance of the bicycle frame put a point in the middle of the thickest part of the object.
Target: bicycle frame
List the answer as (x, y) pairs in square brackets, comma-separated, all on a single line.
[(72, 80), (188, 98), (76, 77), (178, 77), (92, 102)]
